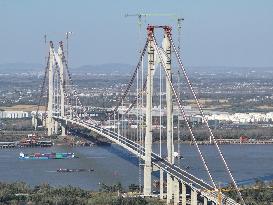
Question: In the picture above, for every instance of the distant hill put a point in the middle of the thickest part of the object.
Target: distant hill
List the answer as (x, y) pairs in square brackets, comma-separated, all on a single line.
[(124, 69), (110, 68), (116, 68), (20, 67), (221, 69)]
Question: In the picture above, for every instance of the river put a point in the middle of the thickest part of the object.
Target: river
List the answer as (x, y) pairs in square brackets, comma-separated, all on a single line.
[(112, 164)]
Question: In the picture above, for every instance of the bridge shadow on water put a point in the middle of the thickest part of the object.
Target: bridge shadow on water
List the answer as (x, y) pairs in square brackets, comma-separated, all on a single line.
[(113, 149), (109, 147)]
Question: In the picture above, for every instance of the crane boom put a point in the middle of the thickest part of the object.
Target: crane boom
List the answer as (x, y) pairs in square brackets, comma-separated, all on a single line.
[(152, 14), (145, 15)]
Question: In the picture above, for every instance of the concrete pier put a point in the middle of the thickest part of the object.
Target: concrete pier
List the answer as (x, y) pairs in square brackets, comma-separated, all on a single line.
[(161, 184), (176, 191), (205, 201), (193, 197), (183, 194)]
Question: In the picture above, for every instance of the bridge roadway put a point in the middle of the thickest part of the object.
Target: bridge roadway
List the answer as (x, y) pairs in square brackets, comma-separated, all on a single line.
[(199, 185)]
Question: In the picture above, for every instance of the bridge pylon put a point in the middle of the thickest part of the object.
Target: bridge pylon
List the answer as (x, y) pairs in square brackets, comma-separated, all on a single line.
[(62, 86), (169, 108), (172, 184), (56, 91), (147, 191), (50, 123)]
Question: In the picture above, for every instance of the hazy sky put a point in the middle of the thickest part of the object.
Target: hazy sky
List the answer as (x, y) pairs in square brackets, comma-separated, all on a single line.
[(215, 32)]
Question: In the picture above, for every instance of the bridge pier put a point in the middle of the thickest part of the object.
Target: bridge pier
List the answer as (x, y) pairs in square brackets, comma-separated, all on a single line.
[(34, 121), (193, 197), (147, 191), (44, 121), (161, 184), (50, 126), (205, 201), (183, 194), (176, 191), (56, 127), (170, 189), (63, 130)]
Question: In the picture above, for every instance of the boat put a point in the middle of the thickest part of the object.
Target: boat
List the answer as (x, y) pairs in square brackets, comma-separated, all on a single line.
[(177, 155), (74, 170), (51, 155)]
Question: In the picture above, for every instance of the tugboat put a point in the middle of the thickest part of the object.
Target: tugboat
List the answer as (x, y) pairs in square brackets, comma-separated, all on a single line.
[(47, 156)]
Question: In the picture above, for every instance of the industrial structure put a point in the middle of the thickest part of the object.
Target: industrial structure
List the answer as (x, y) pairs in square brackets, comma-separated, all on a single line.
[(64, 109)]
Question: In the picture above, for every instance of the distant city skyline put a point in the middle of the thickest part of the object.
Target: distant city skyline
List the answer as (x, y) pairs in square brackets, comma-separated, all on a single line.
[(214, 33)]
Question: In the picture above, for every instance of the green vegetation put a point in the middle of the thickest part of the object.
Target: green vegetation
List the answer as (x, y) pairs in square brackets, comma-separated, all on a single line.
[(21, 193), (259, 194)]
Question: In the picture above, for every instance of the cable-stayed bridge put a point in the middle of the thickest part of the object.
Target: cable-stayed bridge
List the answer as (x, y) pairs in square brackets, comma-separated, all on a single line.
[(64, 109)]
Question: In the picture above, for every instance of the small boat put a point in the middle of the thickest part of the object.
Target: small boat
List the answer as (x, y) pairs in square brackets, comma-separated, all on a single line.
[(177, 155), (65, 170), (47, 155), (180, 157), (74, 170)]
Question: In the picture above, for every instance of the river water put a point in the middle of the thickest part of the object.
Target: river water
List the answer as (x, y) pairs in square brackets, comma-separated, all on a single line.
[(111, 164)]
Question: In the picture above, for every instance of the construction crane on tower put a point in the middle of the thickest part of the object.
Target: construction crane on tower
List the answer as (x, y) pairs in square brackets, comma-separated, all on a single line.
[(145, 15), (179, 26), (140, 17)]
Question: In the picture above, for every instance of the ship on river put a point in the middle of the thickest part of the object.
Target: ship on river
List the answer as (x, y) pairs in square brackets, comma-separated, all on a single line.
[(51, 155)]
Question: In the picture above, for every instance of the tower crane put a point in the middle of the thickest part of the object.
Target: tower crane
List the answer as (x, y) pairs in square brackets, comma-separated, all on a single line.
[(67, 35), (140, 15), (179, 26)]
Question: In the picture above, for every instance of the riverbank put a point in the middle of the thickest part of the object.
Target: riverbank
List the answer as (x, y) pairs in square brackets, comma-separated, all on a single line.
[(21, 193), (34, 140)]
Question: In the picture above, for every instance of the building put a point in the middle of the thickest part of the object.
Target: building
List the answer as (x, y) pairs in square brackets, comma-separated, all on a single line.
[(14, 114)]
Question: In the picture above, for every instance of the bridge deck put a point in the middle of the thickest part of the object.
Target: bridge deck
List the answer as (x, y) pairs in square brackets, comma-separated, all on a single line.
[(138, 150)]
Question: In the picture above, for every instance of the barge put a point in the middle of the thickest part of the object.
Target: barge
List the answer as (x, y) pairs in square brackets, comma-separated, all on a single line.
[(47, 155)]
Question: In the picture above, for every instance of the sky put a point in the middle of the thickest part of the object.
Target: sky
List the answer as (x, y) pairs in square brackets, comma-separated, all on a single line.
[(214, 32)]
